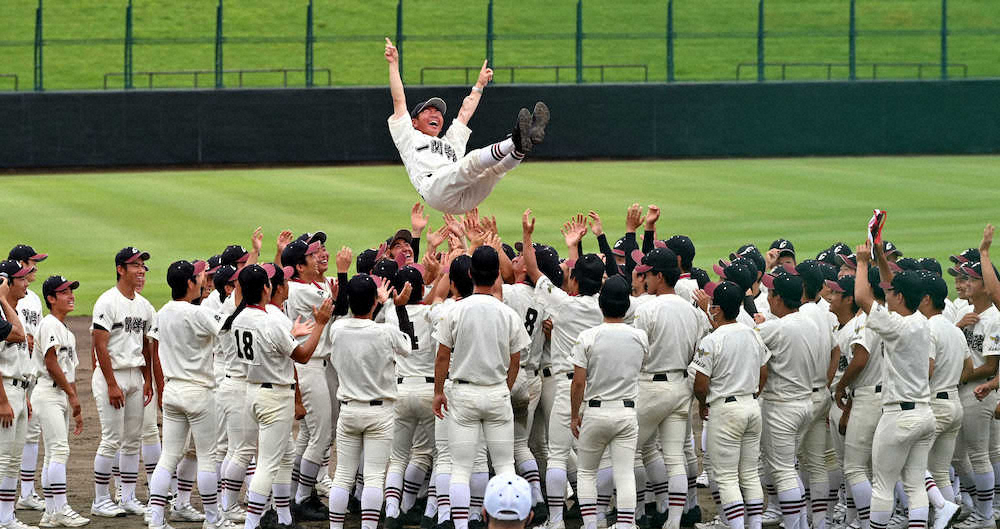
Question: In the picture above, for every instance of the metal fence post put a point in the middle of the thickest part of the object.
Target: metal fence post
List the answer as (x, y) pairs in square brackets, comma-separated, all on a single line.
[(579, 41), (760, 40), (489, 33), (127, 73), (944, 39), (399, 36), (852, 37), (309, 44), (38, 47), (218, 46), (670, 41)]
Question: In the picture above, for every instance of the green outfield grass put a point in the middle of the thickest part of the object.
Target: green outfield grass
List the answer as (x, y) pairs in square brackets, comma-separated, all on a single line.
[(713, 36), (936, 205)]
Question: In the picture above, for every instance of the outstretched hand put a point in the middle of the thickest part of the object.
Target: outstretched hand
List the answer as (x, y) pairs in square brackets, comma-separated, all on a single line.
[(391, 53), (485, 75), (984, 247)]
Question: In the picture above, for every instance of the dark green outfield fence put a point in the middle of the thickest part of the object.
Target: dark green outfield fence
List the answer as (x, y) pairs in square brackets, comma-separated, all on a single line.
[(328, 125)]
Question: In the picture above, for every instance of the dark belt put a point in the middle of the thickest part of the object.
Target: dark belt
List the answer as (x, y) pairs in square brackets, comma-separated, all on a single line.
[(816, 389), (546, 372), (662, 377), (429, 380), (878, 388), (942, 395), (268, 385), (370, 403), (906, 406), (733, 399), (19, 382), (628, 403), (460, 381)]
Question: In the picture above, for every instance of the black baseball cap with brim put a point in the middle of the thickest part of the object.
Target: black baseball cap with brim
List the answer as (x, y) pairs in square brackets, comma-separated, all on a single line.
[(235, 254), (365, 261), (214, 263), (934, 285), (725, 293), (784, 247), (908, 263), (224, 274), (967, 255), (253, 277), (385, 268), (930, 264), (700, 276), (13, 269), (657, 260), (435, 102), (850, 261), (844, 285), (23, 252), (624, 247), (180, 272), (787, 286), (974, 270), (401, 235), (310, 238), (682, 246), (751, 252), (56, 284), (296, 251), (891, 249), (738, 273), (590, 268), (129, 255)]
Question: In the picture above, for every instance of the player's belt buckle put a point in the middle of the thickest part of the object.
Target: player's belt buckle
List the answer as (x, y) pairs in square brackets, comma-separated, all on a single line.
[(942, 395), (626, 403), (18, 382), (906, 406), (546, 372)]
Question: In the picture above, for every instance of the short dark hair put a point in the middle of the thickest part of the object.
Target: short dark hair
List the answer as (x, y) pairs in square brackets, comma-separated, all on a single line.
[(459, 274), (485, 266), (935, 287), (362, 293), (909, 284)]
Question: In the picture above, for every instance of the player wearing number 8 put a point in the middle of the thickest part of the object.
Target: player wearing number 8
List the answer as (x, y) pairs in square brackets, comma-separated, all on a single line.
[(267, 347)]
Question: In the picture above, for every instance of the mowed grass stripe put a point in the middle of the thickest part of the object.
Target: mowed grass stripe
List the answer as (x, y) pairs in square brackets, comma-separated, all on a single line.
[(937, 205)]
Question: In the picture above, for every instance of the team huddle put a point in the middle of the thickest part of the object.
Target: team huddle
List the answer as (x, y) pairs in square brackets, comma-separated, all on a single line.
[(843, 391)]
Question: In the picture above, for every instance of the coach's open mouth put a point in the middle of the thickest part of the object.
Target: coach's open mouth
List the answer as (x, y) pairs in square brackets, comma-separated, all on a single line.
[(434, 123)]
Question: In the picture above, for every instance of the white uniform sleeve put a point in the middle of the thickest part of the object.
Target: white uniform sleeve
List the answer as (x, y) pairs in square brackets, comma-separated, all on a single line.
[(887, 324), (704, 357), (153, 332), (991, 342), (443, 330), (580, 353), (770, 333), (549, 294), (519, 339), (46, 339), (104, 314), (207, 322), (401, 129), (765, 353), (398, 340), (280, 337), (458, 136)]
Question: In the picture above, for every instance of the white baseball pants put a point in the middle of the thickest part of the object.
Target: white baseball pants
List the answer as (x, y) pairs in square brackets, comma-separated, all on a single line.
[(413, 431), (273, 411), (902, 441), (784, 423), (948, 415), (474, 409), (121, 428), (733, 440), (610, 426), (367, 429), (51, 406)]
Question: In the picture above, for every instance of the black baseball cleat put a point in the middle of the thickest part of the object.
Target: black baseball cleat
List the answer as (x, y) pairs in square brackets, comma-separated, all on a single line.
[(412, 517), (521, 135), (477, 524), (541, 510), (691, 517), (539, 120), (269, 520), (427, 522), (447, 524), (392, 522), (311, 510)]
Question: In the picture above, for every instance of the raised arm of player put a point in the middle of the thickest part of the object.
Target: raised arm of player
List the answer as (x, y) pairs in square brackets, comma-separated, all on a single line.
[(395, 81), (471, 101), (989, 275), (863, 295), (528, 251)]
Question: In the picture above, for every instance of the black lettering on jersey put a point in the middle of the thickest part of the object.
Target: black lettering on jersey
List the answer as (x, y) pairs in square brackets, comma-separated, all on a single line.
[(407, 328), (449, 151), (30, 317), (530, 317), (975, 341), (244, 345), (842, 365), (132, 325), (437, 147), (423, 147)]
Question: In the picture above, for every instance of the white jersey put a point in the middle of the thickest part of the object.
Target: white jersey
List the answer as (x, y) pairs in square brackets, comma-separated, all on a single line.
[(790, 370), (127, 321), (842, 338), (187, 338), (570, 316), (15, 359), (871, 375), (422, 154), (264, 343), (975, 335), (482, 334), (302, 297), (419, 362), (907, 354), (29, 308), (674, 327), (54, 334), (955, 310), (826, 323), (612, 354), (731, 358), (949, 353), (685, 287), (521, 298), (364, 356)]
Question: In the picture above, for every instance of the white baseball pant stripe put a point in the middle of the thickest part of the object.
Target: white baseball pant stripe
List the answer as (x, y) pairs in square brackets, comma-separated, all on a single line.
[(902, 441), (614, 428), (51, 406), (784, 423), (476, 409), (121, 428), (733, 440), (363, 429), (273, 410), (413, 429)]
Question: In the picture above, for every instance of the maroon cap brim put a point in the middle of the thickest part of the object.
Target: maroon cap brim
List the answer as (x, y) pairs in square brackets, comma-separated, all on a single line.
[(72, 285), (895, 267), (269, 268), (141, 255), (710, 289), (288, 271), (642, 269), (969, 271), (200, 266), (313, 248), (659, 244), (719, 270), (25, 270), (39, 257), (833, 286), (637, 256), (619, 253), (768, 281)]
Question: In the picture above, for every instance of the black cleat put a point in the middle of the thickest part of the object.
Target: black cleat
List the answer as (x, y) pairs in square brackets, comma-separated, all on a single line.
[(447, 524), (427, 522), (541, 510), (477, 524), (539, 120), (353, 505), (521, 135), (691, 517), (412, 517), (311, 510), (269, 520), (392, 523)]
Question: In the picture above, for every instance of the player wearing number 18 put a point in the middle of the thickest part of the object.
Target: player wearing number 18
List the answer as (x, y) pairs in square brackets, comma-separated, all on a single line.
[(268, 348)]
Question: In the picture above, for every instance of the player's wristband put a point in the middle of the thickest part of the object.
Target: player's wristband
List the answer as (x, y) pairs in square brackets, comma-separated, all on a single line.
[(477, 89)]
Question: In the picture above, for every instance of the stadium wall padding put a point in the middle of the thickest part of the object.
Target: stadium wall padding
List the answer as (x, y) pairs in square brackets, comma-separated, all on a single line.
[(320, 125)]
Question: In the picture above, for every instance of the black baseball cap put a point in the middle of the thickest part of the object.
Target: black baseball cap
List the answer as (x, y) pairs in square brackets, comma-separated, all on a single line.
[(55, 284), (310, 238), (811, 273), (295, 253), (508, 251), (235, 254), (844, 285), (13, 269), (908, 263), (485, 259), (385, 268), (23, 252), (130, 254), (365, 261), (214, 263), (974, 270), (726, 294), (891, 249), (829, 271), (614, 296), (435, 102), (253, 277), (930, 264), (751, 252), (414, 276), (741, 273), (403, 235), (224, 274), (180, 272), (624, 247), (658, 260), (851, 261), (784, 247), (786, 285), (700, 276), (965, 256), (934, 286), (682, 247), (589, 268)]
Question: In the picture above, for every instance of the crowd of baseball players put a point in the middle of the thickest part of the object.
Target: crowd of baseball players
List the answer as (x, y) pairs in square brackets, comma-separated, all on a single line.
[(845, 391)]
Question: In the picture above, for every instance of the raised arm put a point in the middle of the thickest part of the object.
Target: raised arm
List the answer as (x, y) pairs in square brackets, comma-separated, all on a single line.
[(528, 251), (395, 81), (471, 101), (610, 265), (863, 295), (989, 275)]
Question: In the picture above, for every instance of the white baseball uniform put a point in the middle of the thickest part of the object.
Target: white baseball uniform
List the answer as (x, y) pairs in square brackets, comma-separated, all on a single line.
[(731, 358), (447, 178), (241, 430), (612, 354), (187, 336), (29, 309), (364, 356), (906, 429), (127, 321), (949, 353), (482, 334), (16, 368), (674, 327), (51, 404), (814, 443)]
